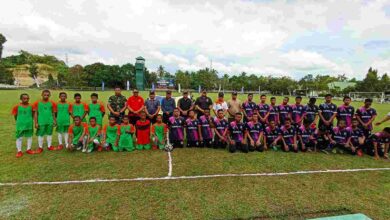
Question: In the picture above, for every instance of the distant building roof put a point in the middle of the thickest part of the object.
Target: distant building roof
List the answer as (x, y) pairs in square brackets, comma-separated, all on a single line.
[(341, 85)]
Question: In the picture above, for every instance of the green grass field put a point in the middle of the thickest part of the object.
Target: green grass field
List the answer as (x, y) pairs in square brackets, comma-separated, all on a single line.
[(273, 197)]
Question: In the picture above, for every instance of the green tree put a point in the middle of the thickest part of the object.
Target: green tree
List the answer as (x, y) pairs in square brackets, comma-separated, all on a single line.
[(183, 78), (2, 41), (6, 75)]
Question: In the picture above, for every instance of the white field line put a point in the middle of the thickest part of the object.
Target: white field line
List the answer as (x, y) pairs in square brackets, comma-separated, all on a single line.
[(194, 177), (170, 166)]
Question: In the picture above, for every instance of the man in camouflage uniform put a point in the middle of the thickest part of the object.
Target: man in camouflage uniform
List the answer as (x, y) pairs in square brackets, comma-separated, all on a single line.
[(117, 105)]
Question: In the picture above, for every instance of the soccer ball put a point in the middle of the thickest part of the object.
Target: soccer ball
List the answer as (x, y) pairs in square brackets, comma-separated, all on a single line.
[(168, 147)]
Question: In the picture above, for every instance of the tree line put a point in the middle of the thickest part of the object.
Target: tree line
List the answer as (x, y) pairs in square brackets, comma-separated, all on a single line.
[(93, 75)]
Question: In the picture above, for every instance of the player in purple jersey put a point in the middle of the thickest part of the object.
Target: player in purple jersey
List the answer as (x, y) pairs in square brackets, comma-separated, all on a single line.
[(220, 127), (263, 110), (289, 136), (192, 129), (176, 129), (249, 107), (327, 112), (357, 138), (311, 111), (366, 115), (254, 134), (298, 111), (273, 112), (236, 135), (206, 134), (340, 138), (380, 143), (346, 112), (284, 111), (272, 136), (307, 136)]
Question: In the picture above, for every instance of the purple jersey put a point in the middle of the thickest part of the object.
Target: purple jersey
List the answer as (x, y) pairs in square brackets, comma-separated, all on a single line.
[(380, 138), (205, 127), (297, 113), (288, 134), (311, 112), (263, 109), (236, 131), (307, 134), (254, 130), (273, 114), (176, 128), (249, 107), (346, 113), (271, 135), (341, 136), (366, 115), (355, 135), (192, 129), (327, 110), (284, 112), (221, 125)]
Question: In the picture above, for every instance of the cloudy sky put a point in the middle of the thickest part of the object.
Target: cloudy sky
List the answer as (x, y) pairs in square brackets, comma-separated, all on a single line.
[(287, 37)]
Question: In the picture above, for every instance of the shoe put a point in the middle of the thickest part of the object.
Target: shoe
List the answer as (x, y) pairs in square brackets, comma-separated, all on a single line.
[(19, 154), (39, 150), (340, 151), (100, 148), (334, 150), (78, 148), (275, 148), (359, 153), (154, 147), (29, 151), (51, 148), (89, 150), (325, 151), (84, 150), (108, 148), (60, 147)]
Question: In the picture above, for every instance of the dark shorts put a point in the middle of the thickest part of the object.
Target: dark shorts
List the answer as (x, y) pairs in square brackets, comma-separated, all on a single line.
[(118, 119), (325, 128), (238, 146)]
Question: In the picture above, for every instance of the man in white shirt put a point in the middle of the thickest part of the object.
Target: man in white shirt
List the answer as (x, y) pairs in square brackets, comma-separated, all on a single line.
[(220, 104)]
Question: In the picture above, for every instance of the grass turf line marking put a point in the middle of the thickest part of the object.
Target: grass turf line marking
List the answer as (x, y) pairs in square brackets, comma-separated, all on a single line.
[(194, 177), (170, 164)]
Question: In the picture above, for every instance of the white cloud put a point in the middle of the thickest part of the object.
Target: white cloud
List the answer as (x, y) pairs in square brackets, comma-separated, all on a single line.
[(237, 35), (383, 66)]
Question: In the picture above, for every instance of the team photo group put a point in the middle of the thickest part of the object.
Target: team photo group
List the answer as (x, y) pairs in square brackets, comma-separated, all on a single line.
[(136, 123)]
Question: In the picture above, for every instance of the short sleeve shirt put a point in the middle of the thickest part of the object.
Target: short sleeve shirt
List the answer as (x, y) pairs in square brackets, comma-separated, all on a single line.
[(203, 102), (327, 110), (152, 105), (185, 104), (237, 131), (234, 107)]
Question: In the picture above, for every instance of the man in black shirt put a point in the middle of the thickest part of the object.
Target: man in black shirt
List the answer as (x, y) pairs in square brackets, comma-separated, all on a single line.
[(203, 102), (185, 104)]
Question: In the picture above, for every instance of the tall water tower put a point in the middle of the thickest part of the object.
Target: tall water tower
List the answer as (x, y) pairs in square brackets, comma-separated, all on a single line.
[(140, 73)]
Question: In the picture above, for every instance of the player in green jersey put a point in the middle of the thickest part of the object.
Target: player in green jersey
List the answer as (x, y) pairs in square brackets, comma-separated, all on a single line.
[(159, 133), (23, 114), (64, 110), (45, 119), (96, 109), (111, 134), (79, 108), (77, 134), (93, 134), (126, 141)]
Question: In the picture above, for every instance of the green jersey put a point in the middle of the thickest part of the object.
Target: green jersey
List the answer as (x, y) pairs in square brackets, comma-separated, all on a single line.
[(94, 131), (126, 139), (24, 117), (63, 113), (96, 110), (77, 131), (111, 133), (45, 112), (79, 110)]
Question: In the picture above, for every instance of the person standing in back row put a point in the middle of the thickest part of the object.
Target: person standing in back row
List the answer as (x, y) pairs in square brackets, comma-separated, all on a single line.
[(234, 107), (185, 104), (152, 107), (168, 104), (202, 103), (117, 105), (135, 104)]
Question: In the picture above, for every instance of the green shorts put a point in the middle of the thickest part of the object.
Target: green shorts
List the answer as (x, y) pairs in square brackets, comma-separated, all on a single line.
[(44, 130), (62, 129), (143, 146), (24, 133)]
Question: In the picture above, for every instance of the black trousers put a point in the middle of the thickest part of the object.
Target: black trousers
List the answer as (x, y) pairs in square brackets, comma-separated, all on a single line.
[(238, 146), (166, 117)]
